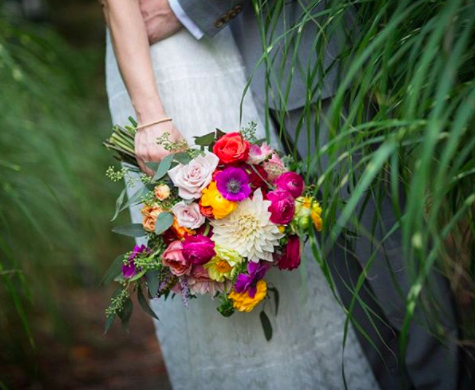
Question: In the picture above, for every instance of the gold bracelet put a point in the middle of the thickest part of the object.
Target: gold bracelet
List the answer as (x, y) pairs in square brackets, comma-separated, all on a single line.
[(154, 123)]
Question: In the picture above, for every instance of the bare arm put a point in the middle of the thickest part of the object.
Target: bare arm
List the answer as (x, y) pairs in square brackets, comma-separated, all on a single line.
[(131, 47)]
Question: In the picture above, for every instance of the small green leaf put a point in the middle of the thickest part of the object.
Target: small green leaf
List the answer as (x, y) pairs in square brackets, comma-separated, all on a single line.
[(152, 282), (109, 322), (114, 270), (219, 133), (152, 165), (131, 230), (118, 203), (125, 314), (205, 140), (182, 157), (163, 222), (132, 120), (266, 325), (144, 304), (276, 298), (163, 168), (135, 198)]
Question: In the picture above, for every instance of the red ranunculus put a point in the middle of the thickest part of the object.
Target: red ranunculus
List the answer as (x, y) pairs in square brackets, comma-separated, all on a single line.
[(257, 179), (231, 148), (290, 258), (282, 206)]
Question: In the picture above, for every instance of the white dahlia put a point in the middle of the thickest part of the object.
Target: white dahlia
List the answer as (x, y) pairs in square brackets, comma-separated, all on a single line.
[(248, 229)]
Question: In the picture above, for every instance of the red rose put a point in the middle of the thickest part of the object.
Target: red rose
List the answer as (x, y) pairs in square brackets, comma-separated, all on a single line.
[(231, 147), (290, 258)]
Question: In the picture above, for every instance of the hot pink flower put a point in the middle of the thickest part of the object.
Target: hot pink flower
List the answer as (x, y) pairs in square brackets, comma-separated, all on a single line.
[(282, 206), (198, 249), (290, 258), (291, 182), (174, 259)]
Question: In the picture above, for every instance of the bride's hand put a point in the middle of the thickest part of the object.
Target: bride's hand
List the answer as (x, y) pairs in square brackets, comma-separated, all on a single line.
[(146, 147)]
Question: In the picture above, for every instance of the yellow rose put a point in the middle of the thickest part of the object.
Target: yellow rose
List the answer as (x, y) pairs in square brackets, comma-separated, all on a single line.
[(213, 198), (243, 302), (307, 208), (162, 191)]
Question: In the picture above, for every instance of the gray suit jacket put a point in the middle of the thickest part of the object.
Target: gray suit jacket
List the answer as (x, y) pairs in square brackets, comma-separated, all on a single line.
[(213, 15)]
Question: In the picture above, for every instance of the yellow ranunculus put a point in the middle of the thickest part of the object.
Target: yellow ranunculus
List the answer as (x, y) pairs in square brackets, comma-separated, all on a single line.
[(213, 198), (243, 302), (222, 266), (307, 208)]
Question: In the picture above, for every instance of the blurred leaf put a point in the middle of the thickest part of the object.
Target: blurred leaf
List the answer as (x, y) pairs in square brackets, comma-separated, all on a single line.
[(118, 203), (163, 168), (125, 314), (144, 304), (131, 230), (205, 140), (152, 282), (276, 298), (182, 157), (114, 270), (266, 325), (109, 322)]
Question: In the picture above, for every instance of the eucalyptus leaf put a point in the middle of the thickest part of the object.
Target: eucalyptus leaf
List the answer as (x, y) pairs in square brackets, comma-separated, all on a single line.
[(152, 165), (114, 270), (135, 198), (152, 281), (205, 140), (126, 313), (163, 168), (137, 276), (118, 203), (144, 304), (182, 157), (109, 322), (266, 325), (131, 230), (164, 222)]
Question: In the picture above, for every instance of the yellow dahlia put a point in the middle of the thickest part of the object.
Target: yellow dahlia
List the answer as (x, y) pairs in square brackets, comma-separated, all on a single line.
[(243, 302)]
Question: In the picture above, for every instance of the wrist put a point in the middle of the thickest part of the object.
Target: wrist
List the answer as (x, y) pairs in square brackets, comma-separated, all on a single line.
[(149, 111)]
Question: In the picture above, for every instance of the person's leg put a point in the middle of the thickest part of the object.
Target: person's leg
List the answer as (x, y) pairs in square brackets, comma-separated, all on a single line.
[(428, 363)]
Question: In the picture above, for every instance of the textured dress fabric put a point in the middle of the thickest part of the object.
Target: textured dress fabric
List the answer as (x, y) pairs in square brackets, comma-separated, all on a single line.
[(201, 85)]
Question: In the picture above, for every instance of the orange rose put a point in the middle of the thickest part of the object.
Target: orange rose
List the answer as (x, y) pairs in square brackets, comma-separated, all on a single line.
[(231, 148), (180, 231), (150, 214), (162, 191), (207, 211)]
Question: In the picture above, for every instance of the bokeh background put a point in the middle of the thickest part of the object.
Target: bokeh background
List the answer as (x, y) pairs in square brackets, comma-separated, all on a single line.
[(55, 208)]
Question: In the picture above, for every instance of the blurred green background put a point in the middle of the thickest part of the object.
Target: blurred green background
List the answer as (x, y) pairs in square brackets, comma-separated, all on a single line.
[(56, 204)]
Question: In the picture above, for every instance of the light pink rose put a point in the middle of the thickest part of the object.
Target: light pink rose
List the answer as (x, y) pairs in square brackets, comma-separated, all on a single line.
[(258, 154), (188, 215), (200, 283), (173, 258), (274, 167), (195, 176)]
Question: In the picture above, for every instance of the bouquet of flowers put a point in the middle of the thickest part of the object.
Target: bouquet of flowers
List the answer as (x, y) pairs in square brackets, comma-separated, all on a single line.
[(216, 218)]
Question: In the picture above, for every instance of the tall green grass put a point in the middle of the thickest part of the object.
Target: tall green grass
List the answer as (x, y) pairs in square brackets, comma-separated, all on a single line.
[(411, 64), (55, 202)]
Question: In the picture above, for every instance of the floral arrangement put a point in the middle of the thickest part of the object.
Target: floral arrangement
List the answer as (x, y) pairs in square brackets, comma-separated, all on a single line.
[(216, 218)]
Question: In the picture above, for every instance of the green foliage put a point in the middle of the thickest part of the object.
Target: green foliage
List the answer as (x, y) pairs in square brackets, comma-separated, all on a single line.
[(54, 201), (401, 123)]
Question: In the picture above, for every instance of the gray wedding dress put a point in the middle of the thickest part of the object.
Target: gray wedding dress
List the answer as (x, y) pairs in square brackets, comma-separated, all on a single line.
[(201, 84)]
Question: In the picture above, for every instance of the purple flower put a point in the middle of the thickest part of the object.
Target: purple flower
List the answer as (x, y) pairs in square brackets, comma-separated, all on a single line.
[(291, 182), (256, 272), (198, 249), (233, 184), (128, 269), (282, 206)]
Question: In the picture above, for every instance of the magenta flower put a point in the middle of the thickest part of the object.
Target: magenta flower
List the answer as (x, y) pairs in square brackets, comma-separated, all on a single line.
[(290, 258), (198, 249), (233, 184), (248, 283), (129, 270), (291, 182), (282, 206)]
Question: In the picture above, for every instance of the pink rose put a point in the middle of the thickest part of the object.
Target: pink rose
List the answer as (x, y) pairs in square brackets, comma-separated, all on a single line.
[(282, 206), (198, 249), (195, 176), (188, 215), (199, 282), (291, 182), (290, 258), (274, 167), (174, 259), (258, 154)]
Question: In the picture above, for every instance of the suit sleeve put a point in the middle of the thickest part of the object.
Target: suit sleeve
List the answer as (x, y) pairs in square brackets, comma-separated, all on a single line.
[(210, 16)]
